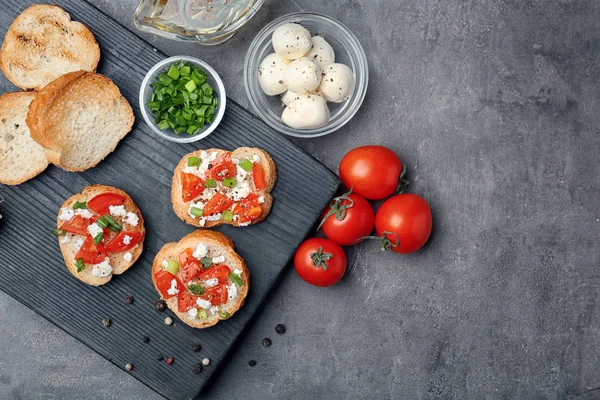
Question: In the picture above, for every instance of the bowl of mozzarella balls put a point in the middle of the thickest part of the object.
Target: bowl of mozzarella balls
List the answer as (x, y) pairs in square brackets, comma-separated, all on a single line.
[(306, 74)]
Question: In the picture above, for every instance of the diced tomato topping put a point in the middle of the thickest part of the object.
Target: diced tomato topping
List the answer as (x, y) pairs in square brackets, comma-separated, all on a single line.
[(101, 203), (218, 203), (221, 272), (248, 209), (90, 252), (185, 301), (222, 167), (117, 244), (192, 186), (258, 175), (189, 271), (77, 225), (186, 256), (216, 295), (163, 283)]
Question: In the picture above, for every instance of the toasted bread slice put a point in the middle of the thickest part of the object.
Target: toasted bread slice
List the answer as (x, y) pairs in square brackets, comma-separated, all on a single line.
[(182, 209), (71, 243), (42, 44), (20, 157), (79, 118), (216, 245)]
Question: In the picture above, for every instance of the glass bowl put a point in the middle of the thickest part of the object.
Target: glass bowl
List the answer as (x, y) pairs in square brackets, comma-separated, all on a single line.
[(146, 93), (347, 51)]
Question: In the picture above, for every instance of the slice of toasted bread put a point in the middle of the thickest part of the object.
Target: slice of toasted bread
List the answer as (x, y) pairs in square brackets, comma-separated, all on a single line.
[(42, 44), (216, 243), (79, 118), (69, 247), (182, 209), (20, 157)]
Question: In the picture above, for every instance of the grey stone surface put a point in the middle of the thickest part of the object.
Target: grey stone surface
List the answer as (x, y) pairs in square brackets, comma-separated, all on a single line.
[(493, 105)]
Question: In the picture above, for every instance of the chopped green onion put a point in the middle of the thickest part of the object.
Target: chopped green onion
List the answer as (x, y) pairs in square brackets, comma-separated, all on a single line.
[(98, 238), (102, 222), (230, 182), (112, 224), (165, 79), (224, 314), (245, 164), (80, 264), (233, 277), (59, 232), (194, 161), (173, 72), (185, 70), (202, 314), (172, 267), (210, 183), (227, 216), (191, 86), (206, 262), (207, 100), (196, 289), (162, 125), (196, 211), (79, 205)]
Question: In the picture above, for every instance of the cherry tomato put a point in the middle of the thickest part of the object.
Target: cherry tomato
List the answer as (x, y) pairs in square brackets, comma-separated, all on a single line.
[(77, 225), (258, 176), (216, 295), (371, 171), (320, 262), (185, 301), (117, 244), (222, 167), (163, 283), (409, 217), (218, 203), (101, 203), (248, 209), (221, 272), (90, 252), (348, 219), (192, 186)]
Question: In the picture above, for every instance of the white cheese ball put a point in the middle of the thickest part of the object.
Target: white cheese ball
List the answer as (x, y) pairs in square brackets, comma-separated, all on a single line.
[(302, 76), (288, 96), (322, 53), (270, 74), (306, 112), (291, 41), (338, 83)]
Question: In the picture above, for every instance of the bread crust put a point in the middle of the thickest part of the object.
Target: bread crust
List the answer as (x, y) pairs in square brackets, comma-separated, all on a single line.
[(43, 43), (211, 238), (116, 260), (181, 208)]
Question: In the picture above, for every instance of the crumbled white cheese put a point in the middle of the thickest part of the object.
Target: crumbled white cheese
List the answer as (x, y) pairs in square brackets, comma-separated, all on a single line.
[(78, 244), (190, 170), (255, 158), (132, 219), (65, 239), (214, 310), (66, 214), (127, 239), (244, 223), (192, 313), (211, 282), (203, 155), (102, 269), (85, 213), (232, 291), (94, 229), (208, 194), (204, 303), (117, 211), (218, 260), (128, 257), (241, 173), (261, 199), (200, 251), (214, 217), (173, 289), (202, 221), (213, 155), (164, 264), (241, 190), (237, 271), (235, 160)]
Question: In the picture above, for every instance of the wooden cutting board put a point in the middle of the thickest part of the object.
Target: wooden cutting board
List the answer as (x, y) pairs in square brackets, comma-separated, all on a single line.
[(33, 270)]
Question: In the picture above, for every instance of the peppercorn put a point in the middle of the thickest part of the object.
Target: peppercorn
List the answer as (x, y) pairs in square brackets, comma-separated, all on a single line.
[(170, 360), (197, 368), (129, 366), (206, 361), (209, 166), (266, 342), (106, 322), (160, 305), (168, 320), (160, 357), (196, 347), (280, 329), (146, 339), (129, 299), (252, 363)]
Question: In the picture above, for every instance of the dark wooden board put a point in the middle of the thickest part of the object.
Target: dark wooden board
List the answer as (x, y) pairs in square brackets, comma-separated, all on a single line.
[(33, 270)]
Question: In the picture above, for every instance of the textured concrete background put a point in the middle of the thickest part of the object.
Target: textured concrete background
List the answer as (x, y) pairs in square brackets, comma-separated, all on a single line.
[(494, 107)]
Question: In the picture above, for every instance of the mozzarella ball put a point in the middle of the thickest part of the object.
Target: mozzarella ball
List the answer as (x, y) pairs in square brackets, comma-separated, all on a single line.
[(338, 83), (322, 53), (288, 96), (302, 76), (291, 41), (306, 112), (270, 74)]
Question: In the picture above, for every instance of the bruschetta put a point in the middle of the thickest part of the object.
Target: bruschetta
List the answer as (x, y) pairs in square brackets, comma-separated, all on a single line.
[(101, 233), (213, 187), (201, 278)]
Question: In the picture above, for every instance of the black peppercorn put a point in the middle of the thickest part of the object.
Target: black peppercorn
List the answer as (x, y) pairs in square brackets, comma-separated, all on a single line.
[(106, 322), (266, 342), (197, 368), (160, 305), (280, 329), (146, 339), (129, 299), (160, 357), (252, 363), (196, 347), (209, 166)]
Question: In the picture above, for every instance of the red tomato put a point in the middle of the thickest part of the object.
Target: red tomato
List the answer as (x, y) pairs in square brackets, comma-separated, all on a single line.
[(258, 176), (186, 256), (77, 225), (221, 272), (248, 208), (90, 252), (117, 245), (218, 203), (222, 168), (101, 203), (216, 295), (185, 301), (163, 283), (189, 271), (371, 171), (348, 219), (192, 186), (409, 217), (320, 262)]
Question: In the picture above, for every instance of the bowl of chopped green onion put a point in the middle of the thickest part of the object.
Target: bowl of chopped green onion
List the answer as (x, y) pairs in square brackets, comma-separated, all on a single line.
[(182, 99)]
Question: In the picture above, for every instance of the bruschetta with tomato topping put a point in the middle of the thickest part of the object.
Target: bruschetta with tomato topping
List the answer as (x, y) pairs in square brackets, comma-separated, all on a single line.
[(201, 278), (101, 233), (213, 187)]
